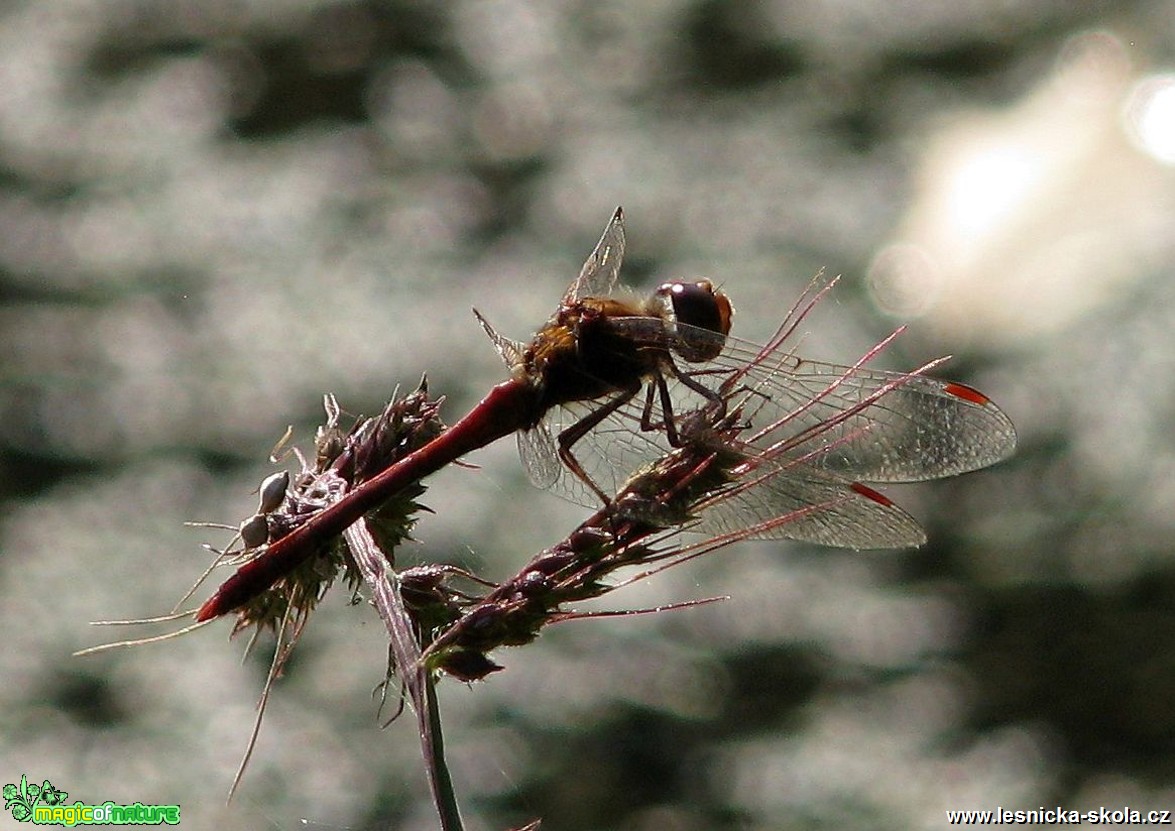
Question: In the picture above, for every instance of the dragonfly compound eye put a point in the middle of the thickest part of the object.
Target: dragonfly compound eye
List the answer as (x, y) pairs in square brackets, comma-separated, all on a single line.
[(701, 316)]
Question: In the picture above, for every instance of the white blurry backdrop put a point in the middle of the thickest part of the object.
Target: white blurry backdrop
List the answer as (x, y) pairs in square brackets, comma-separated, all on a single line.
[(213, 212)]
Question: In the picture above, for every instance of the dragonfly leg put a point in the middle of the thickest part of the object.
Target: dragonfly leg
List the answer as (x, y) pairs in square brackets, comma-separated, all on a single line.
[(581, 428), (715, 408), (717, 402), (647, 423)]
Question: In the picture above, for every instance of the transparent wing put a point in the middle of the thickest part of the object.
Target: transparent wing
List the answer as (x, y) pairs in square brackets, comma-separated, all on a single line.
[(815, 431), (869, 424), (539, 457), (509, 350), (861, 423), (600, 271), (817, 509), (822, 507), (609, 454)]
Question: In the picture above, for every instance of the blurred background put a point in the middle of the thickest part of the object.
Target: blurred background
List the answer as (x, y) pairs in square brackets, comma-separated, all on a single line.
[(213, 212)]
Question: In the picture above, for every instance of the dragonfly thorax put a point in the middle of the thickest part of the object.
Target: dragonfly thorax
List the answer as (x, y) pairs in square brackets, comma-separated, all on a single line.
[(581, 354)]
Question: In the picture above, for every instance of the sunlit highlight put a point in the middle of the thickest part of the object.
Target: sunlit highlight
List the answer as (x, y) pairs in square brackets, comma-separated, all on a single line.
[(1150, 117), (1026, 217), (989, 186)]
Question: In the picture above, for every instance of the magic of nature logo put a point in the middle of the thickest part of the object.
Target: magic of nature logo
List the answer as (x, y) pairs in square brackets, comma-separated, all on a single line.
[(44, 804)]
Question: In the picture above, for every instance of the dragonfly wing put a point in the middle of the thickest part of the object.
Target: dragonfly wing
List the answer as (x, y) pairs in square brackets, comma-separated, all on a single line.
[(601, 269), (509, 350), (804, 505), (869, 424), (860, 423), (819, 506), (539, 458), (609, 454)]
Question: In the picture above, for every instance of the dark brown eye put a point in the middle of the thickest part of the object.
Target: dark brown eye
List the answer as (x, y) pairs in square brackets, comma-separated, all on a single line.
[(701, 306)]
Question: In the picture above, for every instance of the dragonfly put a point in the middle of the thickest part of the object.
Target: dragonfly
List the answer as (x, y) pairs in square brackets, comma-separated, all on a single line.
[(613, 381), (816, 432), (595, 356)]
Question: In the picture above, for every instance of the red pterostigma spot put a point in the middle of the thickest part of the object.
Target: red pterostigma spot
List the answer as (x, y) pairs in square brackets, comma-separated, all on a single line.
[(966, 393)]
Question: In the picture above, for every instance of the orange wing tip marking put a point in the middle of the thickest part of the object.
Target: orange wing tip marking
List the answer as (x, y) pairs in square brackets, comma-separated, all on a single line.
[(967, 393)]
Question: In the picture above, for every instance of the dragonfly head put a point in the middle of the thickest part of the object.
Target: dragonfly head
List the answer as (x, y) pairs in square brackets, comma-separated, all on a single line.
[(700, 317)]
